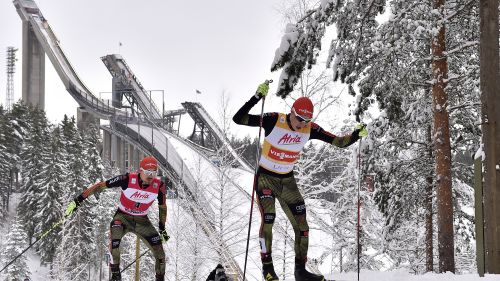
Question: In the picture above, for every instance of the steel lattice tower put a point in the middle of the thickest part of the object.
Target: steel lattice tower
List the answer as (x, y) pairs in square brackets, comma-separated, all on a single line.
[(11, 68)]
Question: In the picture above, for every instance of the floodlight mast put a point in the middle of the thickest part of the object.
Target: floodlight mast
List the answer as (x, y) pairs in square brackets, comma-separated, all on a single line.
[(11, 69)]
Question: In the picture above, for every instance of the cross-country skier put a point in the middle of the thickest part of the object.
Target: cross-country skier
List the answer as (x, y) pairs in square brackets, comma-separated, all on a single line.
[(139, 190), (285, 137)]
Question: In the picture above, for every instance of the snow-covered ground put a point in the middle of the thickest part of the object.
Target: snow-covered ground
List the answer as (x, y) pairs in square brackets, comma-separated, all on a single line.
[(245, 180), (402, 275), (194, 162), (38, 273)]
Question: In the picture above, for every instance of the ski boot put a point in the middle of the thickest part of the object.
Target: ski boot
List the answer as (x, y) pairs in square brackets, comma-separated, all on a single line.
[(160, 277), (268, 272), (301, 274), (115, 272)]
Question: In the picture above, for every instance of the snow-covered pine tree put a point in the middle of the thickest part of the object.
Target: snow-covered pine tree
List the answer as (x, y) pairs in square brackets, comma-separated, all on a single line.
[(103, 208), (103, 204), (92, 166), (366, 53), (34, 157), (20, 121), (464, 113), (49, 205), (400, 133), (5, 166), (16, 243), (413, 32), (19, 128), (76, 250)]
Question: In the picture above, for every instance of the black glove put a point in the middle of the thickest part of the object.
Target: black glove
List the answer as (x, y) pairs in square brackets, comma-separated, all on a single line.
[(164, 236)]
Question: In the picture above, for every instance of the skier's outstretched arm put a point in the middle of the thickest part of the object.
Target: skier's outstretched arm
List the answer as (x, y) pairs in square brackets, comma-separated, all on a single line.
[(121, 181), (242, 116), (343, 141)]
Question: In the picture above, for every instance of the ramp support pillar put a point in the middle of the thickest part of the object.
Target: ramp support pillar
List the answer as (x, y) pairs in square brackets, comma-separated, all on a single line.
[(33, 79), (85, 118), (106, 150)]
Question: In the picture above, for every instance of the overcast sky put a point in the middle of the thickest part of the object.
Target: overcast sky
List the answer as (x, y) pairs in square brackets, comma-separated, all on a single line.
[(175, 46)]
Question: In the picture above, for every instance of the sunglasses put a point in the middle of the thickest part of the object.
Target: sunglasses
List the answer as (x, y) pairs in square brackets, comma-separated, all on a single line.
[(150, 173), (300, 118)]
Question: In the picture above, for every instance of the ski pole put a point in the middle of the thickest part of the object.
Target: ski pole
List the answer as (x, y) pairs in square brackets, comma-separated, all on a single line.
[(44, 234), (130, 264), (255, 181), (359, 205)]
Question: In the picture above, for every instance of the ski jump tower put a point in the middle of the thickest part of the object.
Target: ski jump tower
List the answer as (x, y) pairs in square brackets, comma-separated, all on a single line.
[(33, 80)]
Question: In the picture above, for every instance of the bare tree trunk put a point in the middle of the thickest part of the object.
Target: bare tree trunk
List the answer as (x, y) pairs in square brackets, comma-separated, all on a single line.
[(429, 231), (442, 149), (490, 99)]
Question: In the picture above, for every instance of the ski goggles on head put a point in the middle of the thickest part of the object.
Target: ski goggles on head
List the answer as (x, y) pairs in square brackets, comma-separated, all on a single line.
[(150, 173), (300, 118)]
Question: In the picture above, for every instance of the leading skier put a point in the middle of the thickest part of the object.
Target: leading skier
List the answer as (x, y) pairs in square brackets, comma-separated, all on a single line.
[(285, 137), (139, 190)]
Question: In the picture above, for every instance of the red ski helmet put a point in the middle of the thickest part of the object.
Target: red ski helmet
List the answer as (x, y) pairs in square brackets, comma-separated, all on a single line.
[(149, 163), (303, 108)]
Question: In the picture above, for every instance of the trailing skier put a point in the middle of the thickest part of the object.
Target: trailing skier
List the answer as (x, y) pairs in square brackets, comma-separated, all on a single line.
[(285, 137), (139, 190)]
